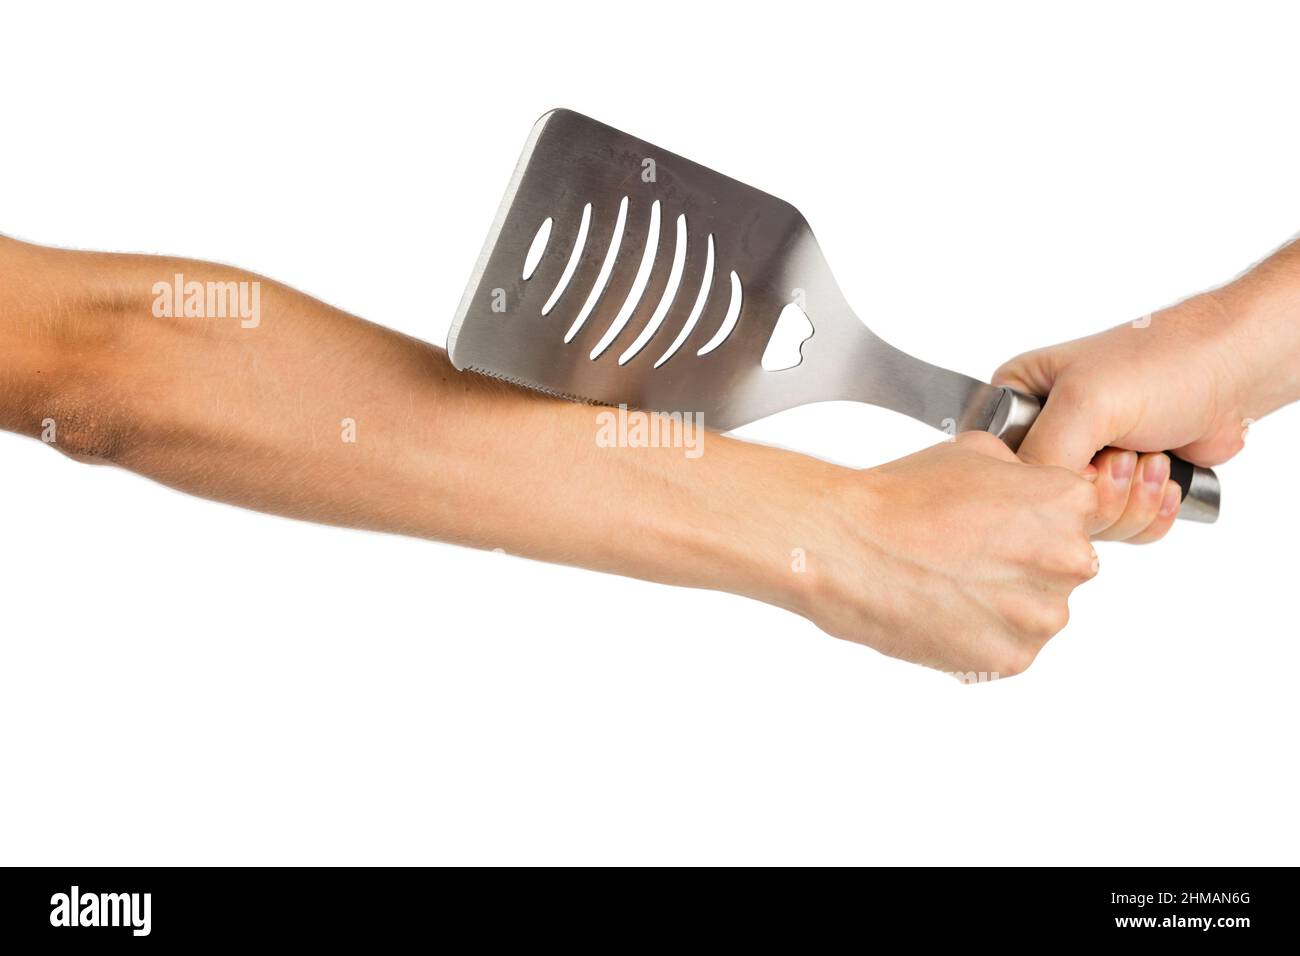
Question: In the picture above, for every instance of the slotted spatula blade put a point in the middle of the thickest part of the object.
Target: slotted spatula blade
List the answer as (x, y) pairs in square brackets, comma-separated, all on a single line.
[(622, 274), (738, 257)]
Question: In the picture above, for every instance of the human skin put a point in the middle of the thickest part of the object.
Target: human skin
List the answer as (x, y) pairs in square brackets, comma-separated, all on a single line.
[(1191, 379), (959, 557)]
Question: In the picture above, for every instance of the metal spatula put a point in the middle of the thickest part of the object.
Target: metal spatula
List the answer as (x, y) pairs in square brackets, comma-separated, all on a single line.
[(619, 273)]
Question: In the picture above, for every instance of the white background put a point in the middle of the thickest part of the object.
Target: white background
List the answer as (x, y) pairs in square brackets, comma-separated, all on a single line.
[(182, 682)]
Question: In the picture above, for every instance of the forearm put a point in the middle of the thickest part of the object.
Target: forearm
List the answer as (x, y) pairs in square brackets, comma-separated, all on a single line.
[(318, 415), (1263, 308)]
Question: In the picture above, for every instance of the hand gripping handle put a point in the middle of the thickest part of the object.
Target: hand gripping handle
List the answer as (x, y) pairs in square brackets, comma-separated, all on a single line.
[(1200, 485)]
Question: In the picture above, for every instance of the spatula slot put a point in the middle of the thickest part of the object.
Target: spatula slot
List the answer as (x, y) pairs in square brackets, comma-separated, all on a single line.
[(602, 277), (666, 300), (638, 285), (566, 277), (729, 320), (785, 347), (705, 285), (538, 248)]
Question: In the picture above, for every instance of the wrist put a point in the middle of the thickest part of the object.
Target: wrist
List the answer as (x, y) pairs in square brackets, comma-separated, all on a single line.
[(804, 547), (768, 527)]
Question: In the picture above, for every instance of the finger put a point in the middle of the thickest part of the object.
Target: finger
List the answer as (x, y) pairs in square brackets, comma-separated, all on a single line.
[(1144, 499), (1033, 373), (1215, 449), (1069, 431), (1115, 468), (1157, 529)]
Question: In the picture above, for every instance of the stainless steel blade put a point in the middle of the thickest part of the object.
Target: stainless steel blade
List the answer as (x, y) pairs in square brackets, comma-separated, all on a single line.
[(746, 255)]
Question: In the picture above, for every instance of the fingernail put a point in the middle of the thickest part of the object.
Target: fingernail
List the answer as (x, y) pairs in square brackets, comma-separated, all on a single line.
[(1096, 561), (1090, 473), (1172, 499), (1122, 466), (1155, 471)]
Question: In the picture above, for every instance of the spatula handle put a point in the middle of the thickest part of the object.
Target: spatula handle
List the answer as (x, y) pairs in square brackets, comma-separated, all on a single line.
[(1200, 485)]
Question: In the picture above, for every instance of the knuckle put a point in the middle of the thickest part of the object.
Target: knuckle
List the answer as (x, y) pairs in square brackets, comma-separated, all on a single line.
[(1087, 398), (1014, 659), (1085, 494), (1079, 561), (1043, 620), (1068, 391), (1080, 390), (1054, 620)]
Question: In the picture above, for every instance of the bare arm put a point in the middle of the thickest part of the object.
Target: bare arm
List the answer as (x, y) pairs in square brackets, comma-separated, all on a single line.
[(263, 417)]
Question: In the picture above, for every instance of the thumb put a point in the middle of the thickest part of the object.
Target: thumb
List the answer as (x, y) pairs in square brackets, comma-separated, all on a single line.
[(1070, 429), (1033, 373), (1066, 433)]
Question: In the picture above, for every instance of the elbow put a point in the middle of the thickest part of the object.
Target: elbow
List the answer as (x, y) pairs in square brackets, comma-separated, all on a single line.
[(79, 423), (63, 342), (87, 428)]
